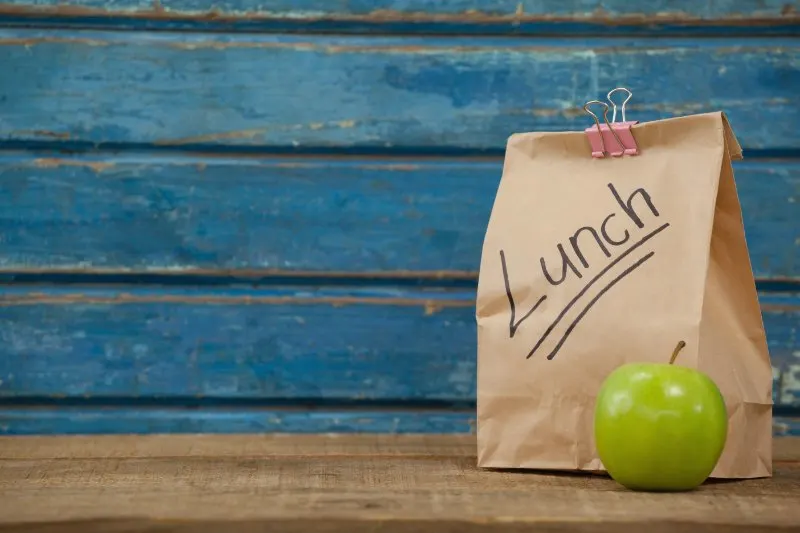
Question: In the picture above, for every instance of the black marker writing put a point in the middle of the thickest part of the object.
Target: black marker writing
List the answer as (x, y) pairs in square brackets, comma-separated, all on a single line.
[(593, 301), (602, 240), (592, 282), (574, 241), (626, 206), (512, 326), (607, 237), (565, 262)]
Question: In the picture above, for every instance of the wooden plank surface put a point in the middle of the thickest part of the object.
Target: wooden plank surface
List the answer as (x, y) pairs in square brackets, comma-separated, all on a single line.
[(242, 445), (421, 95), (454, 16), (267, 344), (425, 217), (355, 483)]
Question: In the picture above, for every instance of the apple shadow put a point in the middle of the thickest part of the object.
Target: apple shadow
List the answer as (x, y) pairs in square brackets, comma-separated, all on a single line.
[(588, 474), (721, 481), (606, 477)]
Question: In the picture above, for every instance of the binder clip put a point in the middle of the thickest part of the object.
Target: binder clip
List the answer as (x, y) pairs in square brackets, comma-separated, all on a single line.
[(618, 135)]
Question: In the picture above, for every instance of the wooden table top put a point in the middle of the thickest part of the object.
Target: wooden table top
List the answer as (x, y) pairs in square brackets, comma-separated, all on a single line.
[(349, 483)]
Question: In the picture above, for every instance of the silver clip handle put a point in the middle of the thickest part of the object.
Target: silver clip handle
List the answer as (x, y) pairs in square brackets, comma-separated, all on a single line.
[(624, 103)]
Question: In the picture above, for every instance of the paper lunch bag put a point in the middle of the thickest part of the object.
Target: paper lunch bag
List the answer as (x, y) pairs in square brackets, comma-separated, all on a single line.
[(596, 256)]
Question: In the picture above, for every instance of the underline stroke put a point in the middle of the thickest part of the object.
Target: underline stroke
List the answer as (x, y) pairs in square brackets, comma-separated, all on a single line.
[(594, 300), (591, 282)]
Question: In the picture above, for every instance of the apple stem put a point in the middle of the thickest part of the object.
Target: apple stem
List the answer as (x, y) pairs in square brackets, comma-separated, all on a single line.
[(677, 349)]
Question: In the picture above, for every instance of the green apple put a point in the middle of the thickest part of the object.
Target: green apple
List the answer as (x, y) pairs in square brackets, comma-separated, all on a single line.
[(659, 426)]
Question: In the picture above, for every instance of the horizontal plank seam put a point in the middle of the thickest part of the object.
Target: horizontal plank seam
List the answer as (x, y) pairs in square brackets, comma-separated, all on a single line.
[(355, 280), (264, 278), (433, 302), (244, 274), (277, 456), (236, 300), (102, 161), (365, 407), (387, 16), (431, 305), (345, 28), (57, 148), (398, 23), (210, 404), (678, 524)]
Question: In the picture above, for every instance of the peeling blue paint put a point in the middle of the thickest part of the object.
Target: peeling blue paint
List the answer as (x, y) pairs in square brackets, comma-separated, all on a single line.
[(487, 17), (224, 90), (125, 304), (148, 213)]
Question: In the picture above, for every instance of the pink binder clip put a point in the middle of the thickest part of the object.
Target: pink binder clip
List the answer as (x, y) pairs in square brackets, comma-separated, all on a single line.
[(616, 135)]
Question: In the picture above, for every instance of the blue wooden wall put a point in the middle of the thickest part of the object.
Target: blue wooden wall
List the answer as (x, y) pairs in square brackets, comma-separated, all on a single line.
[(266, 215)]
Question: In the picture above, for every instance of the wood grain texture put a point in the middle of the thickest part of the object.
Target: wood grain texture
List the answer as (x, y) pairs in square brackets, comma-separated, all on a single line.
[(238, 343), (357, 216), (400, 525), (358, 525), (542, 17), (135, 491), (783, 321), (786, 425), (279, 92), (247, 445), (267, 344), (199, 445)]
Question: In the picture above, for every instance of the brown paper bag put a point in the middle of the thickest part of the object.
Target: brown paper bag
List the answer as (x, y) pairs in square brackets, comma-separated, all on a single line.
[(589, 263)]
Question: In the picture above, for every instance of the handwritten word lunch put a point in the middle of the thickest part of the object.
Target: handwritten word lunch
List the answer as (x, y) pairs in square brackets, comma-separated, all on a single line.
[(606, 240)]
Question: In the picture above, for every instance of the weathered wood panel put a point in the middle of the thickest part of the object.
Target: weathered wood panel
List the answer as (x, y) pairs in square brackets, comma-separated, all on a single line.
[(486, 16), (279, 444), (269, 344), (354, 492), (782, 321), (785, 426), (415, 94), (426, 217), (512, 10), (237, 343)]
